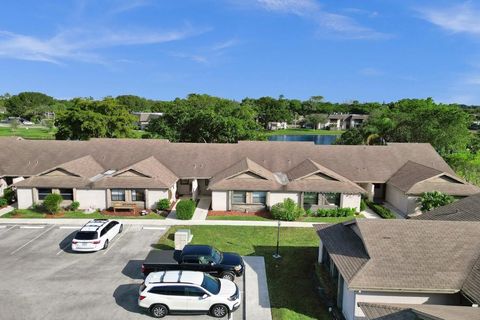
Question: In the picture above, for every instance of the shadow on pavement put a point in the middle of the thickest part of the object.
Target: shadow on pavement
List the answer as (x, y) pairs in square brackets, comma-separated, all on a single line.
[(126, 296), (133, 269), (65, 244)]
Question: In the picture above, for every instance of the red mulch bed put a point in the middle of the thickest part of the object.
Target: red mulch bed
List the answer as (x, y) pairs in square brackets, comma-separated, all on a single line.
[(262, 213), (122, 213)]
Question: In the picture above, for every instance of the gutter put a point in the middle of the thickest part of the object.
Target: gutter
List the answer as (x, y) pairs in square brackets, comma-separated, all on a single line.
[(406, 290)]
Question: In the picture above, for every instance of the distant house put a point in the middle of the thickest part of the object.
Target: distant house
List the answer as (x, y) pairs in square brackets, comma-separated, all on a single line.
[(277, 125), (3, 110), (400, 261), (466, 209), (344, 121), (144, 118), (391, 311)]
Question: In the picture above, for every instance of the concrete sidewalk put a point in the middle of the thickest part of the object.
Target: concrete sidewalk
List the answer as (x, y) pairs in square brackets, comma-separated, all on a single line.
[(369, 214), (163, 222), (257, 300), (6, 210), (201, 211)]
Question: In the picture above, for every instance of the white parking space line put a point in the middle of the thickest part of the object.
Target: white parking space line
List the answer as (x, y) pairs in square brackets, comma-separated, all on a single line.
[(153, 228), (69, 227), (32, 227), (26, 244), (63, 249), (5, 231), (3, 227), (117, 239)]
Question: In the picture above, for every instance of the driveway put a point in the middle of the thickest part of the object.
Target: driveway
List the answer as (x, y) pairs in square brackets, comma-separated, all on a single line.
[(42, 279)]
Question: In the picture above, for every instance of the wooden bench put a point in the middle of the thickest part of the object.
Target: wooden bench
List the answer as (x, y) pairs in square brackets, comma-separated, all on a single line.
[(124, 206)]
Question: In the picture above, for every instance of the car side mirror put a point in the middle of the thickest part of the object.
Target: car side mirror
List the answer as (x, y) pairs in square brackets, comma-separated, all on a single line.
[(205, 296), (212, 263)]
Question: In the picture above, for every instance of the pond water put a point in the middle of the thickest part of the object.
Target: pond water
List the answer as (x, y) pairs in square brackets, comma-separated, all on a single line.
[(316, 138)]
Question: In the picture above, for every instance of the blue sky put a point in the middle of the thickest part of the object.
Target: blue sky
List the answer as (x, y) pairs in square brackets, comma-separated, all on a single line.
[(376, 50)]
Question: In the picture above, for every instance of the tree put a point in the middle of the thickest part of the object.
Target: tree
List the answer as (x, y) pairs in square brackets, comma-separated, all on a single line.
[(51, 203), (287, 210), (434, 199), (94, 119), (270, 110), (14, 124), (27, 104), (315, 119)]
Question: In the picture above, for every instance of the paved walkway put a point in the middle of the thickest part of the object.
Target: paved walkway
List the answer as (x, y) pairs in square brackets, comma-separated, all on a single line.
[(257, 300), (173, 213), (397, 213), (369, 214), (201, 211), (6, 210)]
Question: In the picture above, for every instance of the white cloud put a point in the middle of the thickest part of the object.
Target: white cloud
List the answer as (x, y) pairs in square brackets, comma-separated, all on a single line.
[(329, 24), (128, 5), (371, 72), (462, 18), (207, 55), (81, 45)]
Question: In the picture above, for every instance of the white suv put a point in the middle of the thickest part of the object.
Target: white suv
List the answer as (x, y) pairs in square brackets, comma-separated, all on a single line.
[(96, 235), (189, 292)]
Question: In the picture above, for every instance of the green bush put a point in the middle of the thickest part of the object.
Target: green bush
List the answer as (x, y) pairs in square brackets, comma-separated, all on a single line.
[(383, 212), (185, 209), (3, 202), (74, 206), (288, 210), (163, 204), (435, 199), (9, 195), (336, 212), (52, 203), (363, 205)]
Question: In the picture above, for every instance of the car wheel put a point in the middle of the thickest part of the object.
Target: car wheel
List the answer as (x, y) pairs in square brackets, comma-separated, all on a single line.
[(105, 245), (228, 275), (219, 311), (158, 311), (121, 229)]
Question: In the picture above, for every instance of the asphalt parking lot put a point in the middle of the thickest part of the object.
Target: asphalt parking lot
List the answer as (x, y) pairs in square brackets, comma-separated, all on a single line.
[(40, 278)]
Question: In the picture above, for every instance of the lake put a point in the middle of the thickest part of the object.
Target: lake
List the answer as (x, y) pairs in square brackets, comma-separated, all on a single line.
[(316, 138)]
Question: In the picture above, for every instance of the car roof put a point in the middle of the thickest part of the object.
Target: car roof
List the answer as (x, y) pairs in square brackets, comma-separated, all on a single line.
[(175, 276), (95, 225), (196, 249)]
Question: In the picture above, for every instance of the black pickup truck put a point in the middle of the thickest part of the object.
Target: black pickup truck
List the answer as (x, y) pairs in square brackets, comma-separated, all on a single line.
[(195, 258)]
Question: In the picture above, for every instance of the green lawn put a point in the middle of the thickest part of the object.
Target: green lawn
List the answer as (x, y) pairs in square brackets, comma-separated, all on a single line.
[(302, 132), (28, 133), (29, 214), (291, 279)]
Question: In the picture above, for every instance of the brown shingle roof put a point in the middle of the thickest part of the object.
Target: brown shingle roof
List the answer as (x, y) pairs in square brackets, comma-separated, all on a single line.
[(83, 167), (466, 209), (388, 311), (408, 255), (414, 178)]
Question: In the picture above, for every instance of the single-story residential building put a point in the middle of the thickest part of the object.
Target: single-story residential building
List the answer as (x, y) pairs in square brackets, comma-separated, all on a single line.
[(466, 209), (390, 311), (277, 125), (247, 176), (401, 261), (144, 118)]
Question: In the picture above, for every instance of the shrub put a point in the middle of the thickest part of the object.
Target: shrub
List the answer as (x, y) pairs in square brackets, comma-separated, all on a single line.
[(383, 212), (336, 212), (288, 210), (52, 203), (185, 209), (432, 200), (3, 202), (363, 205), (9, 195), (163, 204), (74, 205)]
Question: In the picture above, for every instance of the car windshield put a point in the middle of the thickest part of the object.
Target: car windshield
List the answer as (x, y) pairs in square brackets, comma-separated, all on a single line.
[(86, 235), (211, 284), (216, 255)]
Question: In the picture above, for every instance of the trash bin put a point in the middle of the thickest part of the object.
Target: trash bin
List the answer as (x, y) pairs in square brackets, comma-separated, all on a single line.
[(182, 238)]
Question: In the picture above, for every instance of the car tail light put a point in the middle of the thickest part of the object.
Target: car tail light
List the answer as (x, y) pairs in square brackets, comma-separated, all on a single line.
[(74, 241), (141, 297), (96, 242)]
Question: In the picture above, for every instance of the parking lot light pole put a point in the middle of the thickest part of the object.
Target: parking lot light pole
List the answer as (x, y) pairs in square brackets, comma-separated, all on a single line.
[(277, 254)]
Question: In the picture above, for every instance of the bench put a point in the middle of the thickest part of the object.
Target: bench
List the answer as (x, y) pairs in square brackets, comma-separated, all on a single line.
[(124, 206)]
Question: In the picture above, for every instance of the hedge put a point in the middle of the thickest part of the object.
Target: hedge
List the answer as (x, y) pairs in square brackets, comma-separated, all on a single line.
[(337, 212), (185, 209), (287, 210), (383, 212), (163, 204), (74, 206), (3, 202), (52, 203)]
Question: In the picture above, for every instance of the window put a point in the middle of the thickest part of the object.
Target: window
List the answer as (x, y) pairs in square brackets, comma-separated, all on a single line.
[(138, 195), (330, 199), (42, 193), (86, 235), (259, 197), (67, 194), (211, 284), (239, 197), (118, 195), (194, 291), (310, 199), (169, 290)]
